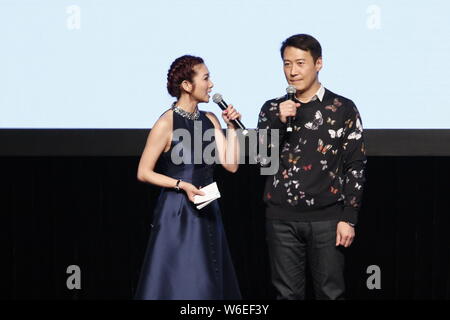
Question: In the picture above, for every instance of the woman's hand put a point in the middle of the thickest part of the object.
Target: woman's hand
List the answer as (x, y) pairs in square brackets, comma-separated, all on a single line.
[(230, 114), (190, 190)]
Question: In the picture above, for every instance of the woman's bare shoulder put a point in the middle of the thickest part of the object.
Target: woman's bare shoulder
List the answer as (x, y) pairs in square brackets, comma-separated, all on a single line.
[(211, 116), (164, 122)]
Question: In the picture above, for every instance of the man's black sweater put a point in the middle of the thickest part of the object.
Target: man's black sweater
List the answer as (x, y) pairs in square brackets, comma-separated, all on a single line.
[(321, 164)]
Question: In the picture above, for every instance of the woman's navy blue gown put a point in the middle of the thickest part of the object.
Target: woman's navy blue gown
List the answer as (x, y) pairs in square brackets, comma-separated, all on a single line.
[(187, 255)]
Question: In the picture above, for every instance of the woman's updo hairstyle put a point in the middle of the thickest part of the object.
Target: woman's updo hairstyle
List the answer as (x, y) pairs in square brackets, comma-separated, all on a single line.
[(181, 69)]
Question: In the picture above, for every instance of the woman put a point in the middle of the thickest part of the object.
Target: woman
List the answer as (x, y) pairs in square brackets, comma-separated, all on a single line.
[(187, 255)]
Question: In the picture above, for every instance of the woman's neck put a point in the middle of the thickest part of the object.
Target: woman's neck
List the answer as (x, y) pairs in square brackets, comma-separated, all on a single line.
[(187, 104)]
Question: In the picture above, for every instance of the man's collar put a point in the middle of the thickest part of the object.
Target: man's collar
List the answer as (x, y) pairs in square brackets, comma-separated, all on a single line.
[(319, 94)]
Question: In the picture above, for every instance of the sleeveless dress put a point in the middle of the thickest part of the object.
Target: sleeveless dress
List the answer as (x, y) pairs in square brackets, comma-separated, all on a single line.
[(187, 256)]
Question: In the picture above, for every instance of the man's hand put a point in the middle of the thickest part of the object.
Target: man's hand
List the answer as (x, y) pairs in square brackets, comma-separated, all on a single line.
[(345, 234), (288, 108)]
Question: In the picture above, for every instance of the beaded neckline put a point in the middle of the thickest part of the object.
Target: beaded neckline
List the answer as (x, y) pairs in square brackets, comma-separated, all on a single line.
[(189, 115)]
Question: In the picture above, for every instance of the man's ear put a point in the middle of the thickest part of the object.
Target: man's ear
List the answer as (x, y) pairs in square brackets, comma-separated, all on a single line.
[(187, 86), (319, 64)]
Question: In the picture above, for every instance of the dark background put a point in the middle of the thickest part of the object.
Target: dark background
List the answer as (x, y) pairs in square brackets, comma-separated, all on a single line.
[(68, 200)]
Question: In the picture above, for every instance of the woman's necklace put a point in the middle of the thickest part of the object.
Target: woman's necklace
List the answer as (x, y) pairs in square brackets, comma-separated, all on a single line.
[(189, 115)]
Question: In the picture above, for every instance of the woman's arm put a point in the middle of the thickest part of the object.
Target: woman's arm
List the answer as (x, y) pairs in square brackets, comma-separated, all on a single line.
[(228, 147), (159, 140)]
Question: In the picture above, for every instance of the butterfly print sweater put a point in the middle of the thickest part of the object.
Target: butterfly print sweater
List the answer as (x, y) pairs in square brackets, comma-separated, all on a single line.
[(321, 165)]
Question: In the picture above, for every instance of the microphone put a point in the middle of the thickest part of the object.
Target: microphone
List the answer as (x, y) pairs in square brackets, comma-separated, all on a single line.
[(290, 94), (217, 98)]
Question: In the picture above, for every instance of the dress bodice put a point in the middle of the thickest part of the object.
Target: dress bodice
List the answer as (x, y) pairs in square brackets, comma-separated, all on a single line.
[(191, 156)]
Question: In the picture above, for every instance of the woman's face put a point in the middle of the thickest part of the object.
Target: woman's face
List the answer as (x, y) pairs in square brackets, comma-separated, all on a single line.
[(201, 84)]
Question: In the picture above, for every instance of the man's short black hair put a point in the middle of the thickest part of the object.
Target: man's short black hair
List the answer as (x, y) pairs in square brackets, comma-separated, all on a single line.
[(304, 42)]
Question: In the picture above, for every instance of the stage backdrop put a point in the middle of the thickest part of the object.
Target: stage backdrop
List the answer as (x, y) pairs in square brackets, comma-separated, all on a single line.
[(91, 212), (103, 63)]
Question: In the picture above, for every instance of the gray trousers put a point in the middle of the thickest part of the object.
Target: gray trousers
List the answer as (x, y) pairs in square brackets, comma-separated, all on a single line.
[(291, 244)]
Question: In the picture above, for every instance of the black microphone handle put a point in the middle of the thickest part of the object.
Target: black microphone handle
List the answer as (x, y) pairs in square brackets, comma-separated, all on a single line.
[(289, 124), (222, 104), (289, 119)]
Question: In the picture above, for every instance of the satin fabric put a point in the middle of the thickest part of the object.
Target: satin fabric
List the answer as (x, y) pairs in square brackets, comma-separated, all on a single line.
[(187, 255)]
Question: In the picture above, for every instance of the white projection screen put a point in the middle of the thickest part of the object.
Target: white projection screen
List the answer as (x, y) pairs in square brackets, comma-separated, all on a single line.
[(103, 63)]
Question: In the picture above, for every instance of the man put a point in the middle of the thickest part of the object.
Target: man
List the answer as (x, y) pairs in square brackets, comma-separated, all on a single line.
[(313, 199)]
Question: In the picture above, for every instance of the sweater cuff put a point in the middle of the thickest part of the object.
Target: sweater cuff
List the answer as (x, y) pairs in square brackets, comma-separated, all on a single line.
[(277, 124), (350, 214)]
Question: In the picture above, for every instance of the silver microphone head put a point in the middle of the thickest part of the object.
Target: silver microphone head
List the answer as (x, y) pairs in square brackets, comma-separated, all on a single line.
[(291, 90), (217, 97)]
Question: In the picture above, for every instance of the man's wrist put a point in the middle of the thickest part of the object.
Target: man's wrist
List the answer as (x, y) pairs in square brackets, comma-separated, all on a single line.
[(350, 215), (350, 224)]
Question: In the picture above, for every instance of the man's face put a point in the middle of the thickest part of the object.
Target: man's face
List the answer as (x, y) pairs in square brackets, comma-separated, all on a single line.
[(300, 69)]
